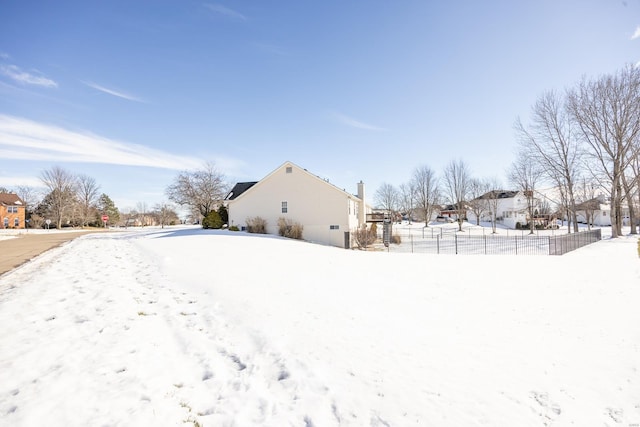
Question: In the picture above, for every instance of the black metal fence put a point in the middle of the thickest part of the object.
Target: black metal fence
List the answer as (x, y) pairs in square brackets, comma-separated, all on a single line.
[(461, 244), (560, 245)]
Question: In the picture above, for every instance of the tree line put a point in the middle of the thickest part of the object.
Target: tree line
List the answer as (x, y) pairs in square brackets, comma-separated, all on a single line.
[(75, 200), (584, 141)]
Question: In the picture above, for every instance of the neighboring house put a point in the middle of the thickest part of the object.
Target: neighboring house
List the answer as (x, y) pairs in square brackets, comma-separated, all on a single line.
[(511, 208), (327, 213), (597, 211), (12, 211), (448, 213)]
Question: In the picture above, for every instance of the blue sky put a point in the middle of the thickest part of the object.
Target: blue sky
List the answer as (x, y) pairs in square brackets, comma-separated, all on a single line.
[(131, 93)]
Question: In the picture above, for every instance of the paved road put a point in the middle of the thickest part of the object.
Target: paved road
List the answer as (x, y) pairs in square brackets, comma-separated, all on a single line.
[(15, 252)]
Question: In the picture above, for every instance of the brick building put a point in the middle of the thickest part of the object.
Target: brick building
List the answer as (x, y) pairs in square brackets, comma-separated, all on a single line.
[(12, 211)]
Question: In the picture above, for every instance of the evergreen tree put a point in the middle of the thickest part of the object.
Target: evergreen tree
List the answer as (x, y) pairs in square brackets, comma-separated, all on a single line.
[(212, 220), (224, 214), (107, 207)]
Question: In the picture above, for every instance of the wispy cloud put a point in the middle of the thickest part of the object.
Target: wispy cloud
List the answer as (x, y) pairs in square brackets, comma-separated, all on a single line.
[(112, 92), (636, 34), (223, 10), (24, 139), (15, 73), (4, 56), (350, 121)]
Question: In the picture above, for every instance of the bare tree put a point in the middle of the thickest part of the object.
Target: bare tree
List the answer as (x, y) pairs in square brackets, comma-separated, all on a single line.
[(607, 111), (477, 203), (630, 184), (165, 214), (492, 200), (457, 181), (142, 209), (635, 167), (387, 197), (406, 200), (426, 189), (87, 196), (62, 189), (586, 194), (526, 175), (30, 196), (202, 190), (552, 142)]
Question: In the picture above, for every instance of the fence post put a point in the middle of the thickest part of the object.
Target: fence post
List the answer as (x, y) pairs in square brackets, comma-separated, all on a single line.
[(485, 241), (411, 242), (438, 245), (516, 237), (456, 240)]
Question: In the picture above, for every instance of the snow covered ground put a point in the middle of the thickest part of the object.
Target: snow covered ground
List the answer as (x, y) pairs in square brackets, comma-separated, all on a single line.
[(192, 327)]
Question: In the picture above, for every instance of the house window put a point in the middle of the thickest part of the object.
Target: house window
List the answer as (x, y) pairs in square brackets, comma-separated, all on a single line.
[(12, 209), (289, 169), (285, 208), (6, 222), (334, 227), (16, 222)]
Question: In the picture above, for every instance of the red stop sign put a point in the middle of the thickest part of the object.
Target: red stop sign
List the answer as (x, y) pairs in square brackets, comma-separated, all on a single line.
[(105, 218)]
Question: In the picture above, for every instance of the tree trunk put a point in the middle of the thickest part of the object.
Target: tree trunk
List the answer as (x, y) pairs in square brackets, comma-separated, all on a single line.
[(629, 197)]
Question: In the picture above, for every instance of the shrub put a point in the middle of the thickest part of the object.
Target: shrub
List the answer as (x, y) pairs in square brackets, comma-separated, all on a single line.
[(365, 237), (257, 225), (224, 214), (212, 220), (395, 239), (287, 228), (234, 228)]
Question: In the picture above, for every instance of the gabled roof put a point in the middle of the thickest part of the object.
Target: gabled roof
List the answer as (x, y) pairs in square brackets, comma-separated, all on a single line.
[(10, 199), (293, 165), (499, 194), (239, 188), (592, 205)]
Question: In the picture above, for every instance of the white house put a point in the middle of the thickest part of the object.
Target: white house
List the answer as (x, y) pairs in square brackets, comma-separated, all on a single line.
[(511, 208), (327, 213), (597, 211)]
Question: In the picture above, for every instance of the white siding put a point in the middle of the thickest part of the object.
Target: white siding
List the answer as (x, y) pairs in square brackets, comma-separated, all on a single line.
[(311, 201)]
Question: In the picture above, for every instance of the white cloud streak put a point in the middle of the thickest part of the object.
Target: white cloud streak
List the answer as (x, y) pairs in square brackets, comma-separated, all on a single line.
[(15, 73), (636, 34), (349, 121), (23, 139), (112, 92), (223, 10)]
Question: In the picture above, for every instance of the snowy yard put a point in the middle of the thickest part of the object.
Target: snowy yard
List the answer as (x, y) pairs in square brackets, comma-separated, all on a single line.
[(193, 327)]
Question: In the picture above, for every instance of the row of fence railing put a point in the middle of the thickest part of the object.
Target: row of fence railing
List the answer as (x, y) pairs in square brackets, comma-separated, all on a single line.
[(491, 244)]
